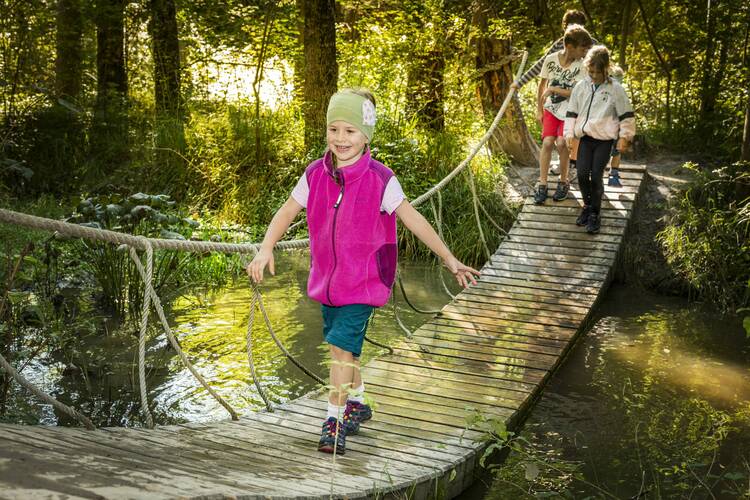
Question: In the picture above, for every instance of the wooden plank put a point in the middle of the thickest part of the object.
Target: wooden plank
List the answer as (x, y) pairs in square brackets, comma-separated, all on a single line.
[(511, 249), (549, 262), (522, 328), (473, 381), (490, 273), (608, 203), (540, 282), (576, 233), (574, 209), (564, 272), (551, 218), (628, 185), (562, 320), (520, 307), (499, 370), (583, 243), (566, 225), (477, 332), (564, 253), (507, 357), (539, 335), (488, 344)]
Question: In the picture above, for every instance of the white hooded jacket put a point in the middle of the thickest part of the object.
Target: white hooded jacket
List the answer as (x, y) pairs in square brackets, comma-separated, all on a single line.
[(602, 112)]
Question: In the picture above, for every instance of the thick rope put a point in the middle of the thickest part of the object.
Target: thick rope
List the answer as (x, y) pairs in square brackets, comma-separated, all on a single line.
[(409, 333), (378, 344), (438, 216), (149, 289), (406, 297), (475, 203), (257, 297), (249, 343), (142, 334), (44, 396)]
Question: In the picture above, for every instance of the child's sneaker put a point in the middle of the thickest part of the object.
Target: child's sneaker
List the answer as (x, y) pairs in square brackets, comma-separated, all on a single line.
[(583, 217), (614, 178), (328, 440), (592, 227), (541, 194), (354, 414), (561, 192)]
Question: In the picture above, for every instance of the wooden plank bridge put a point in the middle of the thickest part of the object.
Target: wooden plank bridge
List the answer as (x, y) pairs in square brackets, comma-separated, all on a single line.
[(492, 348)]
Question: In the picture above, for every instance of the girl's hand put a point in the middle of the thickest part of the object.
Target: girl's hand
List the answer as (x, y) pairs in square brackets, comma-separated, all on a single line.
[(540, 115), (262, 259), (623, 144), (463, 274)]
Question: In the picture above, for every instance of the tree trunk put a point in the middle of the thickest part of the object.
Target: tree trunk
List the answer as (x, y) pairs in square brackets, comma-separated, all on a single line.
[(165, 48), (112, 83), (624, 34), (425, 89), (745, 153), (708, 60), (321, 67), (493, 62), (69, 49), (109, 132)]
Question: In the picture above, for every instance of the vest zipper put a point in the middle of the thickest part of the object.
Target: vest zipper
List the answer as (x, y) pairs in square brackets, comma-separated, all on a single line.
[(588, 111), (333, 237)]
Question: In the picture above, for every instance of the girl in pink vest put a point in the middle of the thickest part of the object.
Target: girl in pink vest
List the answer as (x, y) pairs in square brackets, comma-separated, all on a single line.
[(352, 201)]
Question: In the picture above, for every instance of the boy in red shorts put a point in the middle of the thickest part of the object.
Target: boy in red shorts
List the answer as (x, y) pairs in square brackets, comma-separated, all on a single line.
[(560, 73)]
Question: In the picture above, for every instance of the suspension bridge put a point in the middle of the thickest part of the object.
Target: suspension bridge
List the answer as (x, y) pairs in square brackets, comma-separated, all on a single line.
[(489, 351)]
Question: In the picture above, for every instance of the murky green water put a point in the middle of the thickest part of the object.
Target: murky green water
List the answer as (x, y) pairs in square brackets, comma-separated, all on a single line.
[(654, 402)]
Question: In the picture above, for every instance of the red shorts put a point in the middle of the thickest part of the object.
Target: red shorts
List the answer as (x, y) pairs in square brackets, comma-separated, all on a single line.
[(551, 125)]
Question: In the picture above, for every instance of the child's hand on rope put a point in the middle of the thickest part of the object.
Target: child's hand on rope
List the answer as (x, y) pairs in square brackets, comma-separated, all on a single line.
[(463, 274), (262, 259)]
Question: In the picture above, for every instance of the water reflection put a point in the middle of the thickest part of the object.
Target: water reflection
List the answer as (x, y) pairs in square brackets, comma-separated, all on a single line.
[(654, 401)]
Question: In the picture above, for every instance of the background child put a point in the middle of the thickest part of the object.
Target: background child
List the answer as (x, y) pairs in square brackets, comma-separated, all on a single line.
[(560, 73), (602, 105), (352, 202)]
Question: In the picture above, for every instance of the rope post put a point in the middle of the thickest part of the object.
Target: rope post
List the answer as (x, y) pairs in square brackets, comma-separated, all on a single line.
[(143, 330)]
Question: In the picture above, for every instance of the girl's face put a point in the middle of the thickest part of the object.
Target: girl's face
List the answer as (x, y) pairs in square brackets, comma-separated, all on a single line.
[(346, 142), (597, 75)]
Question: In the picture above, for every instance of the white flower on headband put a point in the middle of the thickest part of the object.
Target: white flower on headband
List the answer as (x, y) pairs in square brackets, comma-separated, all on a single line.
[(368, 113)]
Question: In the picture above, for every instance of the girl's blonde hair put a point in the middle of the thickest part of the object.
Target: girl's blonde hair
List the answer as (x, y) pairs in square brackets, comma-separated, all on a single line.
[(598, 57)]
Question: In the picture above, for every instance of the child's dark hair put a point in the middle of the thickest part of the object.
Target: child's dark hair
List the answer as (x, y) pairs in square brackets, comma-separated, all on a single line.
[(577, 36), (573, 16), (361, 92), (598, 57)]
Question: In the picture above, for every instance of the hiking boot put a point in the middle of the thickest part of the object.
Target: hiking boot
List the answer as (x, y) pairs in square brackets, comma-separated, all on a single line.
[(354, 414), (614, 179), (592, 227), (583, 217), (541, 194), (561, 192), (328, 441)]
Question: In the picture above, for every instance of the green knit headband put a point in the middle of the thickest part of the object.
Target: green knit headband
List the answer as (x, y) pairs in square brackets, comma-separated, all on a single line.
[(355, 109)]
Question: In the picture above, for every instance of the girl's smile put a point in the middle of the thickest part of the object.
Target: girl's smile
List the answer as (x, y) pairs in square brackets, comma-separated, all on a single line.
[(346, 142)]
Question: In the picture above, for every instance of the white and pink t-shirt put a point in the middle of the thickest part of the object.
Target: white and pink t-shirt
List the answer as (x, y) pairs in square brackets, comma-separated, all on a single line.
[(392, 196)]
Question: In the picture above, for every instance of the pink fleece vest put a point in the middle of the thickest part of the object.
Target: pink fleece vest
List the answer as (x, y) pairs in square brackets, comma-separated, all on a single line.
[(353, 245)]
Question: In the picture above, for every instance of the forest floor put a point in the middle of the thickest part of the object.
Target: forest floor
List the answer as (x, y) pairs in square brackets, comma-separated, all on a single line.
[(643, 262)]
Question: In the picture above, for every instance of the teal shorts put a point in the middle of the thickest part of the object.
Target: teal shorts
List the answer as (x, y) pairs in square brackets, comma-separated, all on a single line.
[(345, 326)]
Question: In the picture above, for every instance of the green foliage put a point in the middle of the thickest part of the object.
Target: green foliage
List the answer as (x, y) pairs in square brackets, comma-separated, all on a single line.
[(112, 268), (708, 239)]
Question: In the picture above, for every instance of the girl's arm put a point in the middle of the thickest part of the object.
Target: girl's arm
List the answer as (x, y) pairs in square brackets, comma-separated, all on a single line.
[(276, 229), (572, 113), (417, 224), (625, 114), (540, 98), (559, 91)]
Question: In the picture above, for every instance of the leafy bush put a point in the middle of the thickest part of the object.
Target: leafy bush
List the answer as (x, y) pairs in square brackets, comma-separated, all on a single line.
[(708, 238)]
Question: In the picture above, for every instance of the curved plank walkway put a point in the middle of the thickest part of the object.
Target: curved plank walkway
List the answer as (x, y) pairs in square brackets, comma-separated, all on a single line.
[(492, 348)]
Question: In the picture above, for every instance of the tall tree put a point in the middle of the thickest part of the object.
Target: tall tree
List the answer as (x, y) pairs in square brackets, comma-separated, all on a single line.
[(624, 34), (165, 47), (69, 49), (493, 62), (321, 67), (109, 131)]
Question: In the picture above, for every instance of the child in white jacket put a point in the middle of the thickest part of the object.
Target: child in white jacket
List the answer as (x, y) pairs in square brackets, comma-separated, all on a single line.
[(599, 113)]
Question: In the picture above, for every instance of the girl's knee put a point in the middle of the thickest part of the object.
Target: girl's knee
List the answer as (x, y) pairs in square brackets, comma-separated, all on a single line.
[(561, 144), (340, 354), (548, 142)]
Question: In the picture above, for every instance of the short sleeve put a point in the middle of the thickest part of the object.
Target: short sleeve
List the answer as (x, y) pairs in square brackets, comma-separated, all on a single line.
[(544, 73), (301, 191), (393, 196)]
